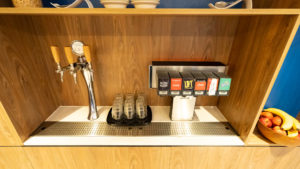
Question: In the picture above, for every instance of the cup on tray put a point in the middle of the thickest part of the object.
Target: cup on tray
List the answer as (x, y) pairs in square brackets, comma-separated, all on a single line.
[(117, 108)]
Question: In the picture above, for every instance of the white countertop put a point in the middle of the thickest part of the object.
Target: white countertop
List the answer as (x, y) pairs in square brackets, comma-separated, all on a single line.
[(159, 114)]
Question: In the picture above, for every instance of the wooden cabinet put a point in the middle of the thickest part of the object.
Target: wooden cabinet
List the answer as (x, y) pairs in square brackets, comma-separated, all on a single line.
[(253, 43), (163, 157), (149, 157)]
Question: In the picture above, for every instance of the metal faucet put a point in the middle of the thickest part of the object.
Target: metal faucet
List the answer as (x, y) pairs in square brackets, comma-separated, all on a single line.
[(82, 64)]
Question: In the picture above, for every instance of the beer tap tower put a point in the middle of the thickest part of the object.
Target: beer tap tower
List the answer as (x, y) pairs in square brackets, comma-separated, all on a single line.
[(81, 64)]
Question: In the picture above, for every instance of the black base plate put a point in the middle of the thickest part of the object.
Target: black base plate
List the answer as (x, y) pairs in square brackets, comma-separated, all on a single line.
[(132, 122)]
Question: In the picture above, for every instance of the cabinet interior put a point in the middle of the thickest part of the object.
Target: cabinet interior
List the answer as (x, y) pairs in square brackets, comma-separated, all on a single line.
[(122, 49)]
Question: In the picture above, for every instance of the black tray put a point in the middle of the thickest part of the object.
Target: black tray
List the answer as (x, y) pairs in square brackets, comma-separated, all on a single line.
[(132, 122)]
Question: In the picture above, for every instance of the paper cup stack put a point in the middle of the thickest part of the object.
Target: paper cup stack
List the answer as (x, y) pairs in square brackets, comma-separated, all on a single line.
[(145, 3), (115, 3)]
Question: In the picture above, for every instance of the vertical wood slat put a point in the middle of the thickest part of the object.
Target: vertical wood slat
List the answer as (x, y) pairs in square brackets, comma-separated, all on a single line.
[(258, 52), (8, 133), (26, 93)]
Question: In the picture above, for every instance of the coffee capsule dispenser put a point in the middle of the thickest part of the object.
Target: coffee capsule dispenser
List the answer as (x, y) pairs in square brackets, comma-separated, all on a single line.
[(184, 81)]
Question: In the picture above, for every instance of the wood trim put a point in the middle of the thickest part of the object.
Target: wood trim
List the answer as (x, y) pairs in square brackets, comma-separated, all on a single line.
[(8, 133), (102, 11), (278, 67), (14, 158)]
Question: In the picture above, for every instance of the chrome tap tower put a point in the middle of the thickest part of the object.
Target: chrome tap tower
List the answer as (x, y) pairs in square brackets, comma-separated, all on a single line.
[(81, 64)]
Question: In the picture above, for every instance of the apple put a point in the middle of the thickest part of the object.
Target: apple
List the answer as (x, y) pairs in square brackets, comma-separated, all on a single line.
[(276, 121), (266, 114), (278, 130), (265, 121)]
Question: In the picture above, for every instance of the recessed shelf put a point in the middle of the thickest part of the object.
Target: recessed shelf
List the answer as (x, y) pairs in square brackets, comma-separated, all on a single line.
[(130, 11), (69, 126), (256, 139)]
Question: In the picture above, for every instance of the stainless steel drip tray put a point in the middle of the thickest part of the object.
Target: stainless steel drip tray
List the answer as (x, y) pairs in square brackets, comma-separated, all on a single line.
[(154, 134), (153, 129)]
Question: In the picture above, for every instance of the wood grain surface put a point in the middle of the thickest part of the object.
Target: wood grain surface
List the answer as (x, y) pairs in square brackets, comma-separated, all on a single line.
[(143, 12), (122, 48), (26, 93), (257, 54), (14, 158), (8, 133), (163, 157)]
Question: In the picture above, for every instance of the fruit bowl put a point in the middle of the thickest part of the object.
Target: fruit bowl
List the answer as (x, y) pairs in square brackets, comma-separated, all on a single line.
[(276, 137)]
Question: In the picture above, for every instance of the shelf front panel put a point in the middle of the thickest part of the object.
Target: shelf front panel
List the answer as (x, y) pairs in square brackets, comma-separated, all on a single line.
[(158, 11)]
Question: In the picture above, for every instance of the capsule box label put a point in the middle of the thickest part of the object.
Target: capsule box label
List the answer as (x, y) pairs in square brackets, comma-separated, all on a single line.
[(224, 84), (188, 84), (163, 92), (176, 84), (163, 84), (175, 93), (200, 85), (199, 93), (185, 93), (212, 86)]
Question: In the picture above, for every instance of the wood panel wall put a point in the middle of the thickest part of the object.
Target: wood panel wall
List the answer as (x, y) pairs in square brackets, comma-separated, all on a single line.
[(163, 157), (26, 93), (124, 46), (258, 52)]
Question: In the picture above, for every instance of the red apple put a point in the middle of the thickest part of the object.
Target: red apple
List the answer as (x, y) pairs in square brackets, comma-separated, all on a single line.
[(278, 130), (276, 121), (265, 121), (266, 114)]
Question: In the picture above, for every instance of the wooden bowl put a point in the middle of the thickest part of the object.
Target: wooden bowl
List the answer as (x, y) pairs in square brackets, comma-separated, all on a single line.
[(278, 138)]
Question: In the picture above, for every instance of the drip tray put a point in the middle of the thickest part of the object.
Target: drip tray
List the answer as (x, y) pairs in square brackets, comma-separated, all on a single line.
[(153, 129)]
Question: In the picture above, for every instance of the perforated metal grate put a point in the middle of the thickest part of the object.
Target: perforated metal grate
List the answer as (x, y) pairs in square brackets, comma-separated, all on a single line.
[(153, 129)]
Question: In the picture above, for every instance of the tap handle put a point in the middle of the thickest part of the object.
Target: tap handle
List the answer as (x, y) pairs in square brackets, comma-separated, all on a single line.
[(87, 53), (69, 54), (55, 54)]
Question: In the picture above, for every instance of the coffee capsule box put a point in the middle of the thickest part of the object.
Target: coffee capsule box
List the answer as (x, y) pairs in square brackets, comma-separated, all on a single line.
[(163, 85), (224, 84), (175, 83), (200, 83), (187, 83), (212, 83)]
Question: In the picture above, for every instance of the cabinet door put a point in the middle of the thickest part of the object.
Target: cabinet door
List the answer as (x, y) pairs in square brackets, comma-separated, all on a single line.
[(13, 158), (235, 158), (164, 157), (99, 157)]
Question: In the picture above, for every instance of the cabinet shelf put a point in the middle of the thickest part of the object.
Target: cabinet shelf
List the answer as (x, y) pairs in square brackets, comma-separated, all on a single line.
[(256, 139), (130, 11)]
